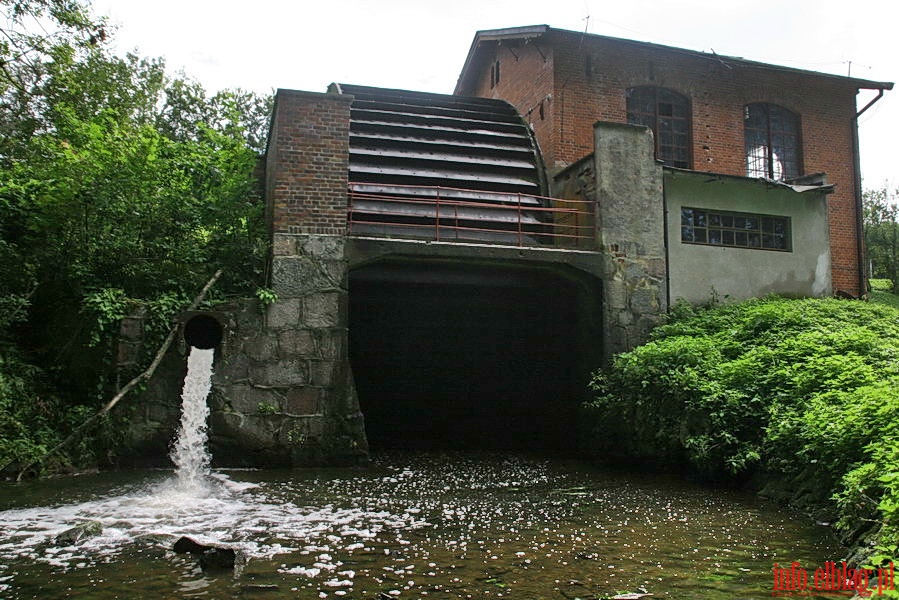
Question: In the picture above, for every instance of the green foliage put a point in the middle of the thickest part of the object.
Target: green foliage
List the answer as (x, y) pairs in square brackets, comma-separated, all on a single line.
[(22, 414), (803, 393), (881, 228), (881, 293), (266, 408), (266, 296), (146, 213), (33, 417), (105, 308), (29, 29), (120, 188)]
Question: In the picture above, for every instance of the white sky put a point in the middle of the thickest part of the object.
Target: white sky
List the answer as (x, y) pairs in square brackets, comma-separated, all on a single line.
[(422, 44)]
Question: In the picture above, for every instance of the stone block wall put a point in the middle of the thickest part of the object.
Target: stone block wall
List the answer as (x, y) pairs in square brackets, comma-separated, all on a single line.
[(282, 392)]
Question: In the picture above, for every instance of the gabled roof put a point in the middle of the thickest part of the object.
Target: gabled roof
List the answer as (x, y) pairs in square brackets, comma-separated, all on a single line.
[(524, 34)]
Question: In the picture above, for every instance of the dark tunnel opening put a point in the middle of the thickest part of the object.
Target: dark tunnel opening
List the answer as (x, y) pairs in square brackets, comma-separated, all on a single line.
[(457, 357)]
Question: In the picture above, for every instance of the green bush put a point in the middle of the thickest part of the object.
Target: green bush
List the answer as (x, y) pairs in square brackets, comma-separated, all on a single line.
[(33, 418), (802, 395)]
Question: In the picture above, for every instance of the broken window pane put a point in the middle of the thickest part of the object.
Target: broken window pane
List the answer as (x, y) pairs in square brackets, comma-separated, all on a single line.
[(771, 135)]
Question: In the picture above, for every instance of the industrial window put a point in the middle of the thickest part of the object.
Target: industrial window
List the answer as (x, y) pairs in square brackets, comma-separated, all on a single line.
[(667, 113), (772, 141), (735, 229)]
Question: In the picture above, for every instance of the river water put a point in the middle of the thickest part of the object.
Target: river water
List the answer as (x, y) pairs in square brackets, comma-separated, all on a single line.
[(422, 525), (414, 525)]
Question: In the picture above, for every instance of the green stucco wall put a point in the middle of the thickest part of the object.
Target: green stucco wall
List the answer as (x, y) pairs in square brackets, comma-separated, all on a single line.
[(699, 273)]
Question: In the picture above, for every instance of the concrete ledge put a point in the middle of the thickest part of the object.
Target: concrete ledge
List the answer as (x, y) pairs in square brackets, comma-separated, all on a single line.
[(363, 250)]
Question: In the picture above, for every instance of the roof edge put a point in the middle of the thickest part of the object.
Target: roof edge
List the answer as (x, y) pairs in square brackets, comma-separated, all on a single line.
[(534, 31), (800, 188), (489, 35)]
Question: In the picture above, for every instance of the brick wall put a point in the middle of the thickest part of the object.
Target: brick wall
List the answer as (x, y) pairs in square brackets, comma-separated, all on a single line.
[(525, 81), (591, 74), (307, 163)]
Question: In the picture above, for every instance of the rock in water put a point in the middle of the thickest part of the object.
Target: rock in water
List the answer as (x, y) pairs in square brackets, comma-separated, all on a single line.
[(213, 557), (79, 532), (185, 545), (218, 559)]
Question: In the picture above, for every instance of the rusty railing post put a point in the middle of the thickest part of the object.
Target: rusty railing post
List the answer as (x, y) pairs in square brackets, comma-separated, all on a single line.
[(519, 219), (437, 220)]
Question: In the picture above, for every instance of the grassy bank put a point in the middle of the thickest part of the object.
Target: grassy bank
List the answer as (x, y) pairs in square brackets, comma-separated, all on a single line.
[(880, 293), (797, 397)]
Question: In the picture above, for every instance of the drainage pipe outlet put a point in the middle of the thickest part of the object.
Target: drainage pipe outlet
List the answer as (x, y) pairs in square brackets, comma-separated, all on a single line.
[(203, 331)]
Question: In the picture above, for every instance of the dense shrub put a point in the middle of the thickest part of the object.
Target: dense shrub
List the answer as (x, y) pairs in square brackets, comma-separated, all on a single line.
[(802, 395), (33, 418)]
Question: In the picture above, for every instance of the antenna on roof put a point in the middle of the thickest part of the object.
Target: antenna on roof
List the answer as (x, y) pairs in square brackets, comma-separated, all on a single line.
[(586, 27), (849, 68)]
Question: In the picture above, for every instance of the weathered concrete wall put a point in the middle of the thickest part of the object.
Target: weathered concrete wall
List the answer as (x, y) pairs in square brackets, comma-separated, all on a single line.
[(700, 273), (631, 233)]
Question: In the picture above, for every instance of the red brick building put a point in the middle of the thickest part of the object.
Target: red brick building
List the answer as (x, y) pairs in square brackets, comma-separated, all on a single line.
[(708, 113)]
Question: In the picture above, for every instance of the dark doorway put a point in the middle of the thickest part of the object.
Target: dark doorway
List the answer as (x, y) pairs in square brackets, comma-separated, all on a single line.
[(458, 356)]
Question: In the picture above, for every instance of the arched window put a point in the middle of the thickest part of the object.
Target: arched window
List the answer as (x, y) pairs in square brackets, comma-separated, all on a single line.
[(772, 141), (667, 113)]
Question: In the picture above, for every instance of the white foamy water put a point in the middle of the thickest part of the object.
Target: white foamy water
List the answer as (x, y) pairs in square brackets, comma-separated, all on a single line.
[(256, 519), (209, 507), (189, 452)]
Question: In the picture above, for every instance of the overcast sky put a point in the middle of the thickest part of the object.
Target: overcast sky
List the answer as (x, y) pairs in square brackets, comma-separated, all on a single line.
[(421, 44)]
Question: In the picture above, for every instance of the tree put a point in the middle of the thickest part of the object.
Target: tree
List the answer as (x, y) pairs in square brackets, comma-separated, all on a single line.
[(30, 29), (881, 225), (32, 32), (118, 185), (113, 172)]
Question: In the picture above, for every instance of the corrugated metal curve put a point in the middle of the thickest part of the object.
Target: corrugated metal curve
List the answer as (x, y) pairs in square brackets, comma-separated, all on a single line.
[(411, 150)]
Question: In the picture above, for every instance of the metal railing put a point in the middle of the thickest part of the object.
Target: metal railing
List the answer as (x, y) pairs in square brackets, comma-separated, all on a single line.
[(452, 214)]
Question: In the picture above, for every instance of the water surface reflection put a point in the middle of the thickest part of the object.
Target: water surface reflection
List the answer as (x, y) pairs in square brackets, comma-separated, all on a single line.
[(412, 525)]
